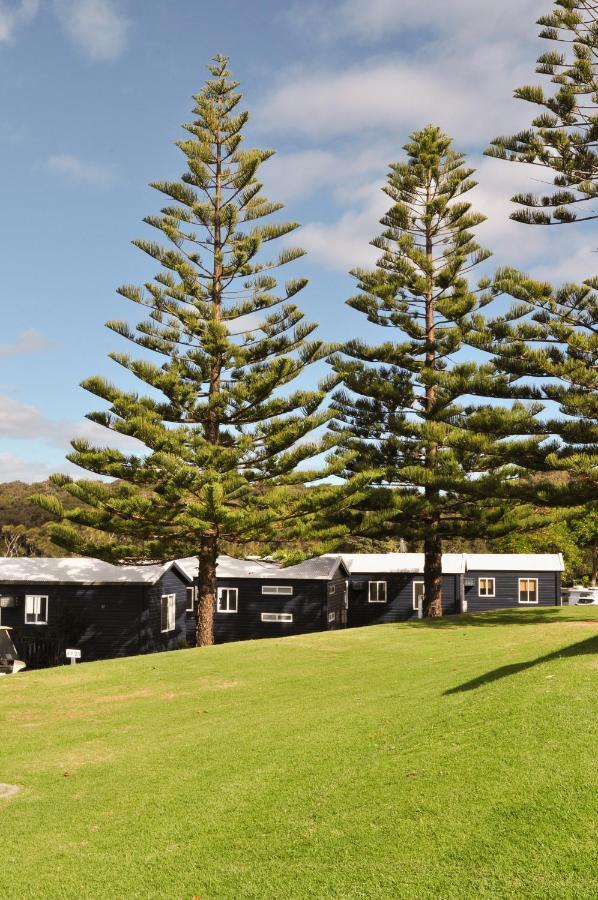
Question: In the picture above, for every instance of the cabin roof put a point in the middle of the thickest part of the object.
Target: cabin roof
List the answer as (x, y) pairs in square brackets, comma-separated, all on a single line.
[(319, 568), (229, 567), (452, 563), (512, 562), (79, 570)]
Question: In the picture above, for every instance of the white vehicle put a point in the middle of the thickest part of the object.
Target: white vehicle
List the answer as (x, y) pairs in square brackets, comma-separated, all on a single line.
[(584, 596), (9, 664)]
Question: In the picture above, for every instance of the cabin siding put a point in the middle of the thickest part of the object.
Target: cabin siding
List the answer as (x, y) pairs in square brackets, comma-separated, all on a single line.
[(100, 620), (336, 606), (507, 590), (399, 592), (307, 605), (103, 621)]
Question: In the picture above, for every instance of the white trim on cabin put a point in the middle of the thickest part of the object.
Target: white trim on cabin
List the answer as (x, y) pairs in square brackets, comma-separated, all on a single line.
[(191, 594), (483, 590), (379, 588), (277, 617), (228, 600), (528, 592), (285, 590), (416, 594), (168, 620), (36, 609)]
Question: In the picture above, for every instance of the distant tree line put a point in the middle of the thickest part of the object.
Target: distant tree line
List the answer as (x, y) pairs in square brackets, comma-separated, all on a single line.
[(460, 424)]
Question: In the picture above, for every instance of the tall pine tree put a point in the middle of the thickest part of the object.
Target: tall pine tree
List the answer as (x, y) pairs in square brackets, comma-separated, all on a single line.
[(562, 137), (448, 463), (226, 446)]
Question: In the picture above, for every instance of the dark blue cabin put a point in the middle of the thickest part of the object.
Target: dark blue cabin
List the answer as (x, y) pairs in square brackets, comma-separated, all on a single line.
[(89, 605), (517, 580), (257, 599)]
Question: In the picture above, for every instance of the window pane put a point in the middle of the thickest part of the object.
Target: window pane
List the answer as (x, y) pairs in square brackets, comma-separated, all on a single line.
[(164, 614)]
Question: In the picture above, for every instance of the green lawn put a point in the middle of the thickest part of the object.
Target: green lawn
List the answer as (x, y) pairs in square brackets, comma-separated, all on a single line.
[(453, 760)]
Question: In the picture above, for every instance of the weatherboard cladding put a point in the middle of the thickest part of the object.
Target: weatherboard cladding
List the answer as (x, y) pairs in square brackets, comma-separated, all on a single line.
[(101, 620), (507, 588), (399, 597)]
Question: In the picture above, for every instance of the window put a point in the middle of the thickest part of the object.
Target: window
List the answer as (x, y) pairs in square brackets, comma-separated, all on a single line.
[(486, 587), (277, 617), (331, 616), (418, 595), (528, 590), (284, 589), (332, 589), (228, 600), (168, 613), (377, 592), (190, 599), (36, 609)]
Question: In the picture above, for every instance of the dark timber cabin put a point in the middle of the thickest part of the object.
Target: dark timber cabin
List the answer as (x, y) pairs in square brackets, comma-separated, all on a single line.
[(259, 599), (388, 587), (89, 605)]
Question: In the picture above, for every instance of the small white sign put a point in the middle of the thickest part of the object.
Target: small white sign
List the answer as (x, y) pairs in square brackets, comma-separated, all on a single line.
[(73, 654)]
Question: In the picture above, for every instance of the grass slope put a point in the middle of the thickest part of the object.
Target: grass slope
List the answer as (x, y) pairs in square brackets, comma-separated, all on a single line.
[(452, 760)]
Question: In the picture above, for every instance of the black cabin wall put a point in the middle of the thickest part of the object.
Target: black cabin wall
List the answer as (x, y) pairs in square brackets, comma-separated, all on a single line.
[(399, 592), (307, 604), (507, 590), (152, 639), (100, 620)]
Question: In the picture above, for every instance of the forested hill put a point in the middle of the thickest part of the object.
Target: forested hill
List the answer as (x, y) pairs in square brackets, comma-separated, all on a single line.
[(23, 533)]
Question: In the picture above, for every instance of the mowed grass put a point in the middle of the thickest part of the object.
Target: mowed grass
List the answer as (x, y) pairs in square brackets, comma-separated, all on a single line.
[(453, 760)]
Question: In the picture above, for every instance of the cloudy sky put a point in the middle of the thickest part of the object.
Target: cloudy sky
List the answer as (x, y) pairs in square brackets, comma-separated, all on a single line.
[(92, 96)]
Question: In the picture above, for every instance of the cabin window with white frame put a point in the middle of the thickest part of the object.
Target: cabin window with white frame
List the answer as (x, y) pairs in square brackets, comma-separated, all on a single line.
[(36, 609), (528, 591), (228, 600), (168, 613), (190, 599), (277, 617), (279, 590), (331, 616), (418, 595), (377, 592), (486, 587)]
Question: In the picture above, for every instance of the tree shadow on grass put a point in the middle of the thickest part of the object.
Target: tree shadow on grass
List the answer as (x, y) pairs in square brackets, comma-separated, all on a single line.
[(590, 645), (509, 616)]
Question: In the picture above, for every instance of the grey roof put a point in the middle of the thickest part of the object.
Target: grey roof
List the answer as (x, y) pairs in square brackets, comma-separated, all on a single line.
[(229, 567), (452, 563), (322, 567), (79, 570)]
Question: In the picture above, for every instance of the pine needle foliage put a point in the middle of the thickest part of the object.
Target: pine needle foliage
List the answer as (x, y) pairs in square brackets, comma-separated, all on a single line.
[(548, 341), (418, 406), (228, 444), (562, 137)]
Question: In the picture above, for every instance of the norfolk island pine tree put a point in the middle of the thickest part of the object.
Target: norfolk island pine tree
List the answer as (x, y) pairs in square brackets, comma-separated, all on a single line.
[(227, 448), (450, 466)]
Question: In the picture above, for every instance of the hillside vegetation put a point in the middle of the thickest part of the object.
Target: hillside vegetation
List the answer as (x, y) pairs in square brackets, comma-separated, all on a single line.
[(447, 760)]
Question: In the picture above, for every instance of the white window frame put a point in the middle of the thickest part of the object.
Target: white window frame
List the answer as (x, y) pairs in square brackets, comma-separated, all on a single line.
[(170, 613), (191, 608), (332, 589), (486, 592), (377, 600), (277, 617), (414, 602), (278, 590), (227, 593), (332, 616), (528, 602), (35, 611)]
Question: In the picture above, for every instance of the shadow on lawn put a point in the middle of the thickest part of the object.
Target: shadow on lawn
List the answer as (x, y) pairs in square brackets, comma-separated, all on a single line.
[(590, 645), (542, 616)]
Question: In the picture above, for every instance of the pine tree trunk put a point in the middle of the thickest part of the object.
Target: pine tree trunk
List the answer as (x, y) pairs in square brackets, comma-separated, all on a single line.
[(206, 591), (432, 606)]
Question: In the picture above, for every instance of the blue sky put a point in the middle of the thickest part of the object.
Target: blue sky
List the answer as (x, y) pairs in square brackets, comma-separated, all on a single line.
[(92, 95)]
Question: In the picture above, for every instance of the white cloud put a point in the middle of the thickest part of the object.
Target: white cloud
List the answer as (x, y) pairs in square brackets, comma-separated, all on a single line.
[(78, 171), (26, 422), (14, 16), (15, 468), (97, 27), (30, 341)]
